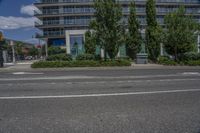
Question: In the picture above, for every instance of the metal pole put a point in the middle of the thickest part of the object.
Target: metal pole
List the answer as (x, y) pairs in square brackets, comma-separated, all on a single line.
[(13, 51), (198, 44), (1, 55), (46, 48), (1, 49)]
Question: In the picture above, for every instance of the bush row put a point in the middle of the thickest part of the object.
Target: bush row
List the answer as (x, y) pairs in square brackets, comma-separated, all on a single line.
[(58, 64), (59, 57), (90, 57), (167, 61), (192, 63), (190, 56), (164, 60)]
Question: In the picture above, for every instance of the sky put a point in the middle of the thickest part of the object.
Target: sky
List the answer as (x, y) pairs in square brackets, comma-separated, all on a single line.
[(17, 20)]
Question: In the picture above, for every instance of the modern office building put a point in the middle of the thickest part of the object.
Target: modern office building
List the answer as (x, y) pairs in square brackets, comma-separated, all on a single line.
[(63, 22)]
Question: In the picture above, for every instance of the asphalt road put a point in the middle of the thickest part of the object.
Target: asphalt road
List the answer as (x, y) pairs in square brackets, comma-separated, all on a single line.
[(101, 101)]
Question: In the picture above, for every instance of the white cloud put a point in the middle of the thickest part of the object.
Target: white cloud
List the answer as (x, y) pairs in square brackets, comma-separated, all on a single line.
[(11, 22), (28, 10)]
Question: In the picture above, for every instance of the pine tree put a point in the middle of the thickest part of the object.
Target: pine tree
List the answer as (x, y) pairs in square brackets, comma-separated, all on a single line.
[(180, 33), (90, 43), (134, 39), (107, 26), (153, 31)]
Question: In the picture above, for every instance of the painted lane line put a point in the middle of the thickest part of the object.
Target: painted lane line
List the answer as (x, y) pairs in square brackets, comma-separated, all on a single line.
[(86, 77), (46, 78), (100, 82), (99, 95), (191, 73), (26, 73)]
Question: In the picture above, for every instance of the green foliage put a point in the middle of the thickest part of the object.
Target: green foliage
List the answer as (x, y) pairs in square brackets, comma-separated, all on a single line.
[(153, 31), (192, 63), (33, 51), (87, 63), (190, 56), (90, 43), (85, 57), (18, 48), (134, 39), (55, 50), (124, 58), (164, 60), (6, 46), (98, 57), (180, 33), (59, 57), (107, 27)]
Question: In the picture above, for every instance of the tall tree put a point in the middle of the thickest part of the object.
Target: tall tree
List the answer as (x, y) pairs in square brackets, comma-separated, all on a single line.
[(108, 26), (153, 31), (18, 48), (90, 43), (134, 39), (180, 34), (33, 51)]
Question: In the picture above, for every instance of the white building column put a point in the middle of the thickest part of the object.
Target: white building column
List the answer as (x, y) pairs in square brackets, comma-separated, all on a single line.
[(161, 49), (67, 37), (102, 53), (118, 54)]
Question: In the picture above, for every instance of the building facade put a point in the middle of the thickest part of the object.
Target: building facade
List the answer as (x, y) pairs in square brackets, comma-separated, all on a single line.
[(63, 22)]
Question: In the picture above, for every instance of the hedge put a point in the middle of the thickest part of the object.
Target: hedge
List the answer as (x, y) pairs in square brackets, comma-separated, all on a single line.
[(85, 57), (59, 57), (190, 56), (192, 63), (59, 64), (164, 60)]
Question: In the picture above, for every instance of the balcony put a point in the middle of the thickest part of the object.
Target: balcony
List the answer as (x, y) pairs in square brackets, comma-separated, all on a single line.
[(63, 23)]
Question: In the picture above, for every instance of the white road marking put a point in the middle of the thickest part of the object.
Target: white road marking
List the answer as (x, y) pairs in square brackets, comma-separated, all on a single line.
[(47, 78), (85, 77), (191, 73), (99, 95), (26, 73), (101, 82)]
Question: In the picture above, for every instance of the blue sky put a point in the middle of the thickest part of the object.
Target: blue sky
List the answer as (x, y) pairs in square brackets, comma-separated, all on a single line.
[(17, 21)]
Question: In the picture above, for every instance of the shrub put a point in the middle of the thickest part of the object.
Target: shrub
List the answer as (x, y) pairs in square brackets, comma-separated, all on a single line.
[(98, 57), (124, 58), (192, 63), (116, 63), (85, 63), (85, 57), (59, 57), (55, 50), (165, 60), (190, 56), (162, 59)]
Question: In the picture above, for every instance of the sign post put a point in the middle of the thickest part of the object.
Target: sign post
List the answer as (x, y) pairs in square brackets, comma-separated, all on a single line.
[(1, 49)]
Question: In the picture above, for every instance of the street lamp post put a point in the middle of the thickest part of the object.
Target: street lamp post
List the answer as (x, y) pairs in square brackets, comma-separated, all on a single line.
[(46, 47), (13, 51), (1, 50), (198, 45)]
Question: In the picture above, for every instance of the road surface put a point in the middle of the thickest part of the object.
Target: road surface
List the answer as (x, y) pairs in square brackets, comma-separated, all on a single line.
[(101, 101)]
